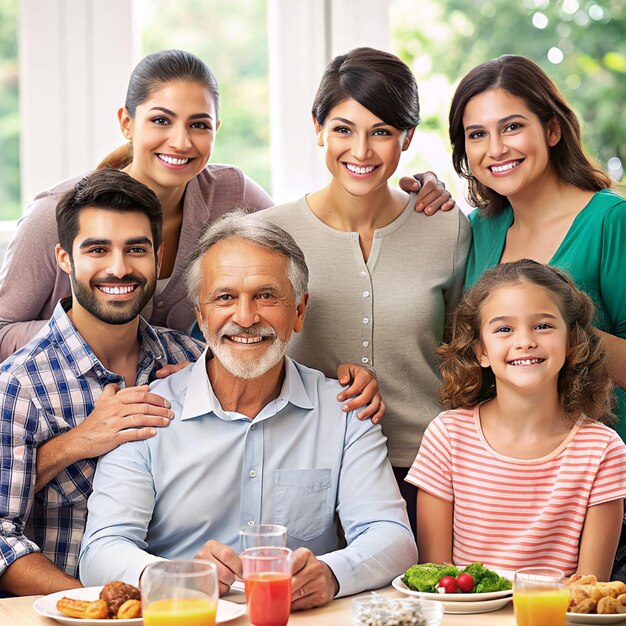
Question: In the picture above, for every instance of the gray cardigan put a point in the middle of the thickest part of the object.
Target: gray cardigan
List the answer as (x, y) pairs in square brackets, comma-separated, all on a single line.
[(388, 313)]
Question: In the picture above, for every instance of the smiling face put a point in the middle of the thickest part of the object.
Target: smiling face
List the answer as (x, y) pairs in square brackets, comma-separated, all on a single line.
[(506, 144), (524, 337), (247, 308), (172, 133), (362, 151), (113, 265)]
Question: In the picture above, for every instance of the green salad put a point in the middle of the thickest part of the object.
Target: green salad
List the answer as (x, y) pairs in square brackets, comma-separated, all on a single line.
[(431, 577)]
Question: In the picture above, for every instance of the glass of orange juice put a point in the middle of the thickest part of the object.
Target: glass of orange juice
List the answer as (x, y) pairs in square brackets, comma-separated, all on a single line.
[(179, 593), (540, 597), (267, 577)]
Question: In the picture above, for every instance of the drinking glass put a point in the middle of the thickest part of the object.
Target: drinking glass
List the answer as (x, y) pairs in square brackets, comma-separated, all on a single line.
[(267, 577), (263, 535), (540, 597), (179, 593)]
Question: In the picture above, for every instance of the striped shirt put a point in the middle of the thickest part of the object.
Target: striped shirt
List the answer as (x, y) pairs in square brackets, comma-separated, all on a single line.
[(511, 513), (46, 388)]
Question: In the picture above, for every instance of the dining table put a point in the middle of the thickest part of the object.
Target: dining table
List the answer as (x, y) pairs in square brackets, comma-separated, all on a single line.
[(20, 612)]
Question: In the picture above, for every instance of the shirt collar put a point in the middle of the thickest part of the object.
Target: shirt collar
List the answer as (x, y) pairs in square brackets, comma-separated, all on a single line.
[(79, 354), (203, 400)]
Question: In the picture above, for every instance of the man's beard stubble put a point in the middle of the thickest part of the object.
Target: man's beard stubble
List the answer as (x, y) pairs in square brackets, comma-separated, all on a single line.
[(114, 312)]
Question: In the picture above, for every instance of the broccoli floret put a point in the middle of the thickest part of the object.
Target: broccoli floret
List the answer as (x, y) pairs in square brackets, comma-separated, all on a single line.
[(425, 577), (486, 580)]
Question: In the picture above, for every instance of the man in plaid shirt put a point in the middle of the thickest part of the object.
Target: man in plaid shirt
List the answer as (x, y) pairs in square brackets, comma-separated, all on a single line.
[(80, 387)]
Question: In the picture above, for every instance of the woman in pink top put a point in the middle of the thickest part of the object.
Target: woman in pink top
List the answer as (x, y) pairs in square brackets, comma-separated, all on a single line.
[(523, 473)]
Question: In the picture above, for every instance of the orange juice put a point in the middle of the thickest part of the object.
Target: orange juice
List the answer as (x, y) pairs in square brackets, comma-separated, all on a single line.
[(180, 612), (540, 608)]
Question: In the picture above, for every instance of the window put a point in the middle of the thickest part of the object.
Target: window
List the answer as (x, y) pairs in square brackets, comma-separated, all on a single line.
[(10, 204)]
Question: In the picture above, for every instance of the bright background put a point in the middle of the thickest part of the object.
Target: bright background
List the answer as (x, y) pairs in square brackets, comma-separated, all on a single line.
[(581, 45)]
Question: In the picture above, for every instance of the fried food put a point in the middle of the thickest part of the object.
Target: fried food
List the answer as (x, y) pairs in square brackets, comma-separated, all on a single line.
[(587, 595), (116, 593), (97, 610), (82, 609), (129, 610), (118, 600), (612, 605)]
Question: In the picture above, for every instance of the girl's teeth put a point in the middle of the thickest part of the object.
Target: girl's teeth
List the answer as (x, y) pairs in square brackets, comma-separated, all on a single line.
[(526, 362), (172, 160)]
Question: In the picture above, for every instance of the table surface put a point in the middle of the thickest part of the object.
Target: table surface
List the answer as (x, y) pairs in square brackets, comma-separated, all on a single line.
[(20, 612)]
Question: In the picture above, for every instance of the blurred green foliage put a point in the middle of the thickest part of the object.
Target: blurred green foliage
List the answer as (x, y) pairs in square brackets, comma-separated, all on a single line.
[(231, 37), (10, 206), (450, 37)]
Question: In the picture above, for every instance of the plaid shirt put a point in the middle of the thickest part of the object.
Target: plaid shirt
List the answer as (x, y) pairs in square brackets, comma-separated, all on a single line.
[(46, 388)]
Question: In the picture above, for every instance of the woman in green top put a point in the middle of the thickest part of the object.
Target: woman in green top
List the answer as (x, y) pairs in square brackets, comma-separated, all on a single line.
[(517, 142)]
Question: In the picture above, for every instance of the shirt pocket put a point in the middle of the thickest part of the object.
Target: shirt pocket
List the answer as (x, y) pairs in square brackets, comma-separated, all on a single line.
[(70, 487), (303, 499)]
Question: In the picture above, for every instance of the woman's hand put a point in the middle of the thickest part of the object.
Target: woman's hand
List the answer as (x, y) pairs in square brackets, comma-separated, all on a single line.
[(363, 391), (431, 192)]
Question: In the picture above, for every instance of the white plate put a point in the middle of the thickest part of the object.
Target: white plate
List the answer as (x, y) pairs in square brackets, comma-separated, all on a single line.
[(46, 606), (450, 597), (486, 606), (590, 618)]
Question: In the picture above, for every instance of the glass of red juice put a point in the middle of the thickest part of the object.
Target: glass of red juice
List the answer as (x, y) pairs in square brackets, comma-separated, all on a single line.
[(267, 577)]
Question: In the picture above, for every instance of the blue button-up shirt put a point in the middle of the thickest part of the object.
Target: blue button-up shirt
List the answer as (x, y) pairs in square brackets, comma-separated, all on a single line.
[(299, 462), (47, 387)]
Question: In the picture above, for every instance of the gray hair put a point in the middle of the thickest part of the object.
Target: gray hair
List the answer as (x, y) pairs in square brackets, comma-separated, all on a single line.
[(240, 224)]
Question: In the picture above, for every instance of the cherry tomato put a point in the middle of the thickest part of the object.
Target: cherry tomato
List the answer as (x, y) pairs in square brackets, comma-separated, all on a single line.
[(448, 583), (465, 583)]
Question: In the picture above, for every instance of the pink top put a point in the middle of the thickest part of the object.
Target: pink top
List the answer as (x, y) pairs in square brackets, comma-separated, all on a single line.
[(511, 513), (31, 284)]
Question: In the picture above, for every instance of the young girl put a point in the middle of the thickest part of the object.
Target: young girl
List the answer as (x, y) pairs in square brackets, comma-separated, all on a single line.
[(382, 277), (521, 471)]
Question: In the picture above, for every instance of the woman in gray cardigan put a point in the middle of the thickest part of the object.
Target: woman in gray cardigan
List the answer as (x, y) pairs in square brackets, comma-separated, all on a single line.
[(383, 276)]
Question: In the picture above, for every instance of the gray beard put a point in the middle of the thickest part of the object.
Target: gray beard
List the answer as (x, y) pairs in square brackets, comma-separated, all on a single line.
[(239, 368)]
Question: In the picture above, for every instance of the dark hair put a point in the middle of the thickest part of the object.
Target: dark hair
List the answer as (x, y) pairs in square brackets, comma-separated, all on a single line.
[(153, 71), (112, 190), (239, 224), (523, 79), (584, 384), (377, 80)]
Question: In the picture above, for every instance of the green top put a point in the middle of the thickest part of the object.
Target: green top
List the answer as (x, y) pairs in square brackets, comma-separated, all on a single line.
[(593, 253)]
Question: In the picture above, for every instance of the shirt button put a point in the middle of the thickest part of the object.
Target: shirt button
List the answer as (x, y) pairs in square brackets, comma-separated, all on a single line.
[(253, 427), (366, 294), (252, 473), (363, 273), (160, 304), (366, 320), (366, 343), (364, 359), (251, 522)]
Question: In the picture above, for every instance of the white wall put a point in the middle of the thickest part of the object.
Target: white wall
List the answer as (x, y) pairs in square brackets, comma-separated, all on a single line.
[(304, 36), (75, 60)]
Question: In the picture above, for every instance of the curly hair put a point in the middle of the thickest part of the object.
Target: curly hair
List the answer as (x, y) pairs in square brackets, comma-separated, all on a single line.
[(584, 384)]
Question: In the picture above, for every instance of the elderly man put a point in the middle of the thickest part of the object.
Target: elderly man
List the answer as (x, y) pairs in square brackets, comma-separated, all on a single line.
[(256, 438), (79, 388)]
